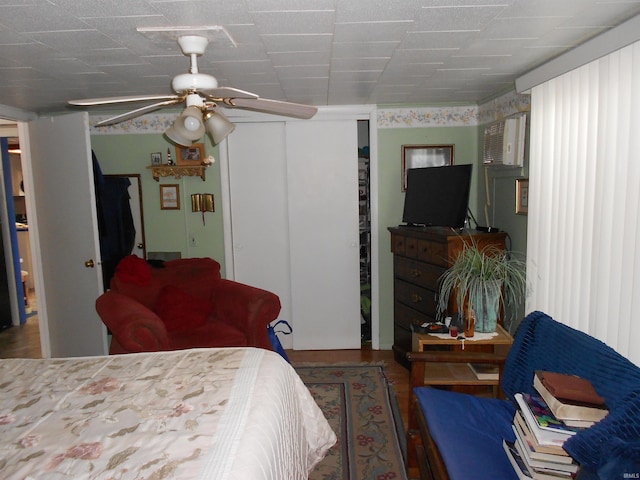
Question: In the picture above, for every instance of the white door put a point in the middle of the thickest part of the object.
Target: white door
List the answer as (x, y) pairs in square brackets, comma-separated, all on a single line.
[(293, 191), (260, 237), (62, 215), (322, 173)]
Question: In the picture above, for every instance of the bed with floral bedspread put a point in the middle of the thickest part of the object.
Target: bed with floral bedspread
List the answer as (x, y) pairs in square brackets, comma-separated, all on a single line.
[(231, 413)]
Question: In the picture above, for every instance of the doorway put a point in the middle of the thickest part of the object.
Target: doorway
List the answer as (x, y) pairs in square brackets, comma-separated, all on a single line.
[(18, 266), (127, 220), (364, 206)]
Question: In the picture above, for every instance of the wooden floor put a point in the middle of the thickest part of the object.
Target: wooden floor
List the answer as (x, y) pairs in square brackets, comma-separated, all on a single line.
[(24, 342)]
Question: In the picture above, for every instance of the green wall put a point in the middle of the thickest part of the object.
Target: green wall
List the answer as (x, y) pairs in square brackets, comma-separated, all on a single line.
[(391, 198), (167, 230)]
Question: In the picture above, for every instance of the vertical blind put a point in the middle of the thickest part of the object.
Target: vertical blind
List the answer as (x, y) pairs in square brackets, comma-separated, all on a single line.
[(583, 243)]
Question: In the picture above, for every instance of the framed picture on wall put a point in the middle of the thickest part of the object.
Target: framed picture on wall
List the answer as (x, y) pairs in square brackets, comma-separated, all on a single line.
[(422, 156), (522, 196), (170, 197), (156, 158), (192, 155)]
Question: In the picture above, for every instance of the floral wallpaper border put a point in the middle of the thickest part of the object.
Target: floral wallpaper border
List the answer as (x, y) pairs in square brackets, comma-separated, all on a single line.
[(504, 106), (462, 116), (150, 123), (413, 117)]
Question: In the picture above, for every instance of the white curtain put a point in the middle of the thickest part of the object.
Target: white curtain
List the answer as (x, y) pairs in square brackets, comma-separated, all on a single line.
[(584, 200)]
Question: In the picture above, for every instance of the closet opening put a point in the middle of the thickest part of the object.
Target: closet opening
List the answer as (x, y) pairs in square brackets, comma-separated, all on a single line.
[(364, 201)]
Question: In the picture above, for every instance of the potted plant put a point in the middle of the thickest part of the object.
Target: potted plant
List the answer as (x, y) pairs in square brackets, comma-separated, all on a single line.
[(483, 278)]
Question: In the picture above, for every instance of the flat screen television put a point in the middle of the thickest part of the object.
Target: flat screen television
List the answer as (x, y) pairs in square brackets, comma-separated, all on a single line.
[(437, 196)]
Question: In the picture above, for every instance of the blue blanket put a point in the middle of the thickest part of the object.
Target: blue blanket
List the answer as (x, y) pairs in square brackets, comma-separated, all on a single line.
[(457, 421), (469, 430)]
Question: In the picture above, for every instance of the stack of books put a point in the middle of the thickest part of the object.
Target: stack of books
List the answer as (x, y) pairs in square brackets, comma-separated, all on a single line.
[(572, 399), (541, 431)]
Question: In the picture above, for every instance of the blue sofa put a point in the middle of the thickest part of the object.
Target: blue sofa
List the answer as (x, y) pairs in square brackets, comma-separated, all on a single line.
[(459, 436)]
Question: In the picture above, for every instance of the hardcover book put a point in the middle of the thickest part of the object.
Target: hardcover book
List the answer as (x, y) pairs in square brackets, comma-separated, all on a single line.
[(544, 436), (537, 451), (485, 371), (516, 461), (545, 417), (570, 388), (535, 465), (567, 410)]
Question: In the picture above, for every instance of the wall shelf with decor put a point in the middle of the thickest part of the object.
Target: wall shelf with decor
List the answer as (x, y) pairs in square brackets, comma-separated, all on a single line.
[(177, 171)]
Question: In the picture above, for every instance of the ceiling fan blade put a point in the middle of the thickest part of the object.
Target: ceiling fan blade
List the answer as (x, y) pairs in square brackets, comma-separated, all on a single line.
[(278, 107), (137, 112), (87, 102), (227, 92)]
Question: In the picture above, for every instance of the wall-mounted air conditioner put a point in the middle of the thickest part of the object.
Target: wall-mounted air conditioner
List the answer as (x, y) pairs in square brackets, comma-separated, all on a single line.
[(504, 142)]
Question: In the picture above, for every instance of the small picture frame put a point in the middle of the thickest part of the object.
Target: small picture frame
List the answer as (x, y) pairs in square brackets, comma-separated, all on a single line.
[(192, 155), (522, 196), (422, 156), (156, 159), (170, 197)]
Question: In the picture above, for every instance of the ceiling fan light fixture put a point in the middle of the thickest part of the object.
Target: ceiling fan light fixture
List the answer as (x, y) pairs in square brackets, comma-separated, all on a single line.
[(218, 126), (176, 137), (189, 124)]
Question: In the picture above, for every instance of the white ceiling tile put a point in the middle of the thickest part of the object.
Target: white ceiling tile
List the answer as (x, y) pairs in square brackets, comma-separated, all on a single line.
[(456, 19), (289, 5), (372, 32), (39, 18), (78, 42), (356, 11), (292, 59), (364, 49), (359, 64), (314, 22), (298, 43), (316, 51), (303, 71), (110, 8)]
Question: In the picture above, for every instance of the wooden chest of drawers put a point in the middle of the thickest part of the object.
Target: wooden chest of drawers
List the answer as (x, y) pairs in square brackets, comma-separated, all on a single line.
[(420, 257)]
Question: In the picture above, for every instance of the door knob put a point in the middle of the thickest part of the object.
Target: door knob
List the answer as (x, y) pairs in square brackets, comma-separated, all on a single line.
[(89, 264)]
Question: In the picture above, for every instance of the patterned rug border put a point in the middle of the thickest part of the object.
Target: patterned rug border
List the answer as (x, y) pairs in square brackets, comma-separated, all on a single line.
[(388, 391), (338, 364)]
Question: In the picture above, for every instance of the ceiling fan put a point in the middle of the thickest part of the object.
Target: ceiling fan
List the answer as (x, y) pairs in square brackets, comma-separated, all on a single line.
[(201, 94)]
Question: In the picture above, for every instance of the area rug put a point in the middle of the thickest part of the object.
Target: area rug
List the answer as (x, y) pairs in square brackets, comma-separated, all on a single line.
[(361, 407)]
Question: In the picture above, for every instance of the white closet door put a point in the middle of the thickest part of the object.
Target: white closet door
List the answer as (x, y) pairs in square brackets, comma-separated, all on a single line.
[(322, 167), (259, 218)]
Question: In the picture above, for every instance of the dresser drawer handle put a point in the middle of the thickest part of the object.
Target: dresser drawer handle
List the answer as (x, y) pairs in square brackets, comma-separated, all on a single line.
[(415, 273), (415, 298)]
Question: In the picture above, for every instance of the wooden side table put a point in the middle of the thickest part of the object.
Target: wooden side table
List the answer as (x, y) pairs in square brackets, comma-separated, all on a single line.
[(443, 362), (448, 363)]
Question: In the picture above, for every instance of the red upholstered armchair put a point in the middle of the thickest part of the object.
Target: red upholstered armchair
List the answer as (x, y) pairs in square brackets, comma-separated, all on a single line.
[(183, 304)]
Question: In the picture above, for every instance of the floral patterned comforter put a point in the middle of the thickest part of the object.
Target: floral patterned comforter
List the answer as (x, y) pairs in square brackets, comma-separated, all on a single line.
[(231, 413)]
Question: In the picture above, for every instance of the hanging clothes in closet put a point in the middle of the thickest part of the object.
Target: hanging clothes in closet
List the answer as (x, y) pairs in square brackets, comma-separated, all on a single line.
[(115, 221)]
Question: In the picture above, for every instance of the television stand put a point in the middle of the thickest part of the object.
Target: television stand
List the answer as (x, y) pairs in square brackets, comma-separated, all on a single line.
[(420, 256), (412, 225)]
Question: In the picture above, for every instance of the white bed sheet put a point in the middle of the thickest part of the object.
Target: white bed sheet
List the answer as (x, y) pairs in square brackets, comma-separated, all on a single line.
[(233, 413)]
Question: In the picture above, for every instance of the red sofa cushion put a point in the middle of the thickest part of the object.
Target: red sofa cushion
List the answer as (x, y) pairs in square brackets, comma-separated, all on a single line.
[(197, 276), (133, 269), (180, 311)]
